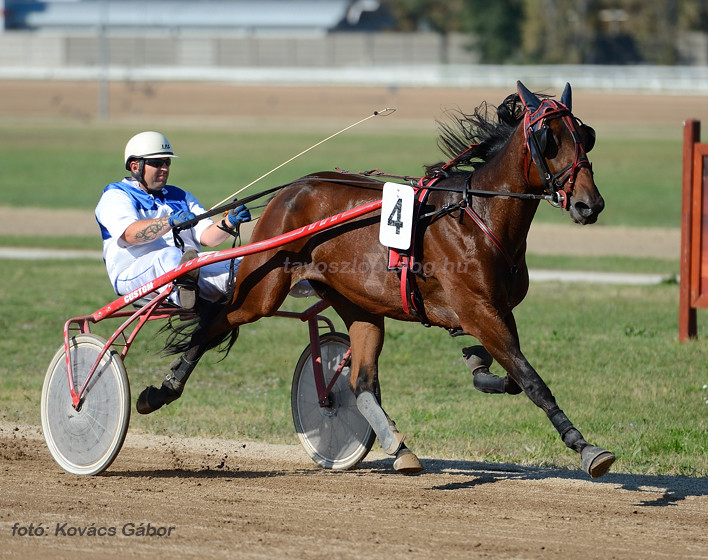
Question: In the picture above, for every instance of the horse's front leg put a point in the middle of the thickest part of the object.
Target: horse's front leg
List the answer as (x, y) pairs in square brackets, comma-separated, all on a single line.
[(501, 340), (366, 344), (479, 360)]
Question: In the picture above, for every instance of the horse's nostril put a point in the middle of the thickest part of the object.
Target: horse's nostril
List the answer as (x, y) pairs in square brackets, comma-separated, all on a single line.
[(586, 210), (583, 209)]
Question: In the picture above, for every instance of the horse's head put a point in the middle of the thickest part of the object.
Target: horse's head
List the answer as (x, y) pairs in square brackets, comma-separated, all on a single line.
[(558, 144)]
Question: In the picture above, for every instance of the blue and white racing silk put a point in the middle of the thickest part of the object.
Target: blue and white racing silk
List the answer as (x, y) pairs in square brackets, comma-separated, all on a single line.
[(124, 203)]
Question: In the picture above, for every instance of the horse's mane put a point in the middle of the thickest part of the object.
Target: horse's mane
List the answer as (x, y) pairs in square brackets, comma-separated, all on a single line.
[(473, 139)]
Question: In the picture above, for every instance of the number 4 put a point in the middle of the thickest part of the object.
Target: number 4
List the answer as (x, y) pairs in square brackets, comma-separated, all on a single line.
[(396, 222)]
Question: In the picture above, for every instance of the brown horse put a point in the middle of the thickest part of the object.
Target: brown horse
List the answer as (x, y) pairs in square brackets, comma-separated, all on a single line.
[(466, 271)]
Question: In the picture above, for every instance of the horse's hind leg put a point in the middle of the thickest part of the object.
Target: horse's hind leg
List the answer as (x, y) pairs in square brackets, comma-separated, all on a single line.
[(210, 330), (366, 334), (153, 398), (262, 294)]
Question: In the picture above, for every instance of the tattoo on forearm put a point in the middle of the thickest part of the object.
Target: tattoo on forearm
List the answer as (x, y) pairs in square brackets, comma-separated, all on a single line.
[(152, 231)]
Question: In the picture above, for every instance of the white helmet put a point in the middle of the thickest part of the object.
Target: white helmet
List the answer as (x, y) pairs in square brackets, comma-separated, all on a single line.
[(146, 145)]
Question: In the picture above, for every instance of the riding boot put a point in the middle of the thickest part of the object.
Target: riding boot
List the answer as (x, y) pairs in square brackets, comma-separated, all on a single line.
[(152, 398), (187, 284)]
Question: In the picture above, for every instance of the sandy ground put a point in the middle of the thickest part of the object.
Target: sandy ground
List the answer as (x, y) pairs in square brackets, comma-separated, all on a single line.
[(212, 103), (231, 499)]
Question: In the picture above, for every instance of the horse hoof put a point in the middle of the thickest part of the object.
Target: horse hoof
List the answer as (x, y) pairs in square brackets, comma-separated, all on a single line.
[(149, 400), (596, 460), (406, 462), (152, 398)]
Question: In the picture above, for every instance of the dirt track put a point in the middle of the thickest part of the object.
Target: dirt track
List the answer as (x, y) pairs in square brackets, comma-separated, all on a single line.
[(229, 499), (209, 104)]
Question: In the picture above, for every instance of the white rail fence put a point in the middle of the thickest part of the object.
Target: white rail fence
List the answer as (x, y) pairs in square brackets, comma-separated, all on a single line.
[(390, 60)]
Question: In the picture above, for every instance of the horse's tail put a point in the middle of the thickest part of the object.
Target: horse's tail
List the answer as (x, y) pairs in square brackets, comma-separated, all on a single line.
[(180, 333)]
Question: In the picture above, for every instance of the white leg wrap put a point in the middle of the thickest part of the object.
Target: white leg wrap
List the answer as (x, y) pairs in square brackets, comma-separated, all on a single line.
[(371, 410)]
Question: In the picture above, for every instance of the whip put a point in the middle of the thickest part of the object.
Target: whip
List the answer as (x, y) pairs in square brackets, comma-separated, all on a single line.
[(384, 113)]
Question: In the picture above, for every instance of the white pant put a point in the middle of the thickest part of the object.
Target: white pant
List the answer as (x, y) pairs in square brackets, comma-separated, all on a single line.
[(213, 278)]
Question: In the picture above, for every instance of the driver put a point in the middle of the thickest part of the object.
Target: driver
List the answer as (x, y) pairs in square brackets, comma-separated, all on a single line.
[(136, 216)]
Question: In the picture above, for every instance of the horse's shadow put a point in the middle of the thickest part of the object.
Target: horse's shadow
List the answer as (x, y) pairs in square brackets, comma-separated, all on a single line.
[(660, 491)]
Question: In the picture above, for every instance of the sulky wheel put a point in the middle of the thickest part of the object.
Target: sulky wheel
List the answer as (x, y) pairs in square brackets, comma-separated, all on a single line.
[(85, 441), (335, 436)]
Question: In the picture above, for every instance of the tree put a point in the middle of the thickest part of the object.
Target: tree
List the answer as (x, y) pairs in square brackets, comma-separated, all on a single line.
[(441, 16), (693, 15), (560, 31), (495, 27)]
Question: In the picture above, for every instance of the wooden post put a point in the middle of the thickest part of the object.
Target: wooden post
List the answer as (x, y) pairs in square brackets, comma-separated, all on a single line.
[(688, 327)]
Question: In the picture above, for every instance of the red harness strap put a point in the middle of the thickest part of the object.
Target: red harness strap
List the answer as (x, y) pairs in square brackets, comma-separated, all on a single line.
[(403, 261), (490, 234)]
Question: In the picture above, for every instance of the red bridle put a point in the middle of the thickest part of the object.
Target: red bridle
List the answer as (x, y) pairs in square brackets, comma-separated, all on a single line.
[(558, 185)]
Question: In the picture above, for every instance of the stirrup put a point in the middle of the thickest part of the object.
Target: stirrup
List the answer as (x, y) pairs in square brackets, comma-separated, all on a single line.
[(302, 289)]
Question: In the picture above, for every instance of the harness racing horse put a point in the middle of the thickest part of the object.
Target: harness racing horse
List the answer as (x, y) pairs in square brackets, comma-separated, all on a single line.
[(470, 243)]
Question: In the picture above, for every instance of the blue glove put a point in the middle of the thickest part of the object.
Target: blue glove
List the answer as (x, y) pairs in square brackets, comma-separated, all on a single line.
[(238, 215), (181, 217)]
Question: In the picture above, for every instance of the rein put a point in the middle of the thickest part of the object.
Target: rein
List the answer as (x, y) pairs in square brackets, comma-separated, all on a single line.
[(176, 230), (225, 208), (464, 190), (559, 186)]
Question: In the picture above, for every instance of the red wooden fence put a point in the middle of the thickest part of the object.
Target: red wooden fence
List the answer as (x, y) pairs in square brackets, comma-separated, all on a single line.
[(694, 230)]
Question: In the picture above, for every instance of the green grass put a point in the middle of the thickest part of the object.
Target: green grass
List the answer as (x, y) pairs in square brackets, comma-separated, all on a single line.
[(68, 166), (59, 242), (640, 179), (609, 353), (213, 164), (669, 268)]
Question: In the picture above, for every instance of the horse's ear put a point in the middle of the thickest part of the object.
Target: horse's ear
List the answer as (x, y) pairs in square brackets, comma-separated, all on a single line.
[(530, 100), (567, 97)]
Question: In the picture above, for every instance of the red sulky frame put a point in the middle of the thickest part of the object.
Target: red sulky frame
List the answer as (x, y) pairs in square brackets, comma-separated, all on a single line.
[(155, 310)]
